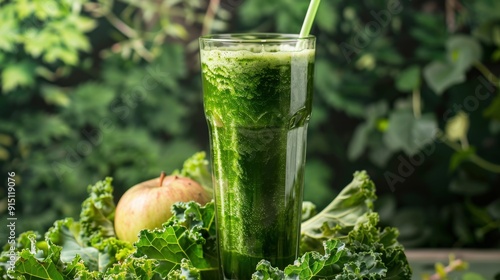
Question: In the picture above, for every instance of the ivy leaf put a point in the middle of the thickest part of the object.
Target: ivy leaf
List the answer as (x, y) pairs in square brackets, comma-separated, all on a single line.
[(463, 51), (409, 134), (20, 74), (440, 76), (408, 79)]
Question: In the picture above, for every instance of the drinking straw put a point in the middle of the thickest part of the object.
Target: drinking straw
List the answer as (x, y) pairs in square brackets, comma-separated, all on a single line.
[(308, 20)]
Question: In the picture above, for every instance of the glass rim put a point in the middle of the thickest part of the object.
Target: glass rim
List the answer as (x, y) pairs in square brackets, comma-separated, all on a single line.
[(255, 37)]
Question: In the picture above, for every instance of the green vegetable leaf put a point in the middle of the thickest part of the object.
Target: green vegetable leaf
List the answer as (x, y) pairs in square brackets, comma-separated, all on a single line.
[(98, 212), (349, 208), (196, 168), (308, 210), (340, 262), (194, 217), (134, 268), (186, 272), (30, 264), (188, 235), (170, 246), (66, 233), (313, 264), (266, 271), (185, 247)]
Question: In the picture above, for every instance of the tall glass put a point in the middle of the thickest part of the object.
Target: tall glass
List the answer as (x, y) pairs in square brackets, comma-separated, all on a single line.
[(257, 93)]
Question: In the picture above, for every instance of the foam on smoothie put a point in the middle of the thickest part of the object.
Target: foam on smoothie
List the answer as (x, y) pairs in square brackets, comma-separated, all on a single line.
[(247, 61), (231, 57)]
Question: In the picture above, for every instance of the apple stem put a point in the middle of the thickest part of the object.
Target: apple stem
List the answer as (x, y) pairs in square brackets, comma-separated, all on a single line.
[(162, 177)]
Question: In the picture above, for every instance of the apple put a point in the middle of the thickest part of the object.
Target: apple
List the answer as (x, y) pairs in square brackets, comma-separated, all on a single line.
[(147, 205)]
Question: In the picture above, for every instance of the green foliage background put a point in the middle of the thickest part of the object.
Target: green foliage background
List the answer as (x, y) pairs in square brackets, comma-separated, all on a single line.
[(407, 90)]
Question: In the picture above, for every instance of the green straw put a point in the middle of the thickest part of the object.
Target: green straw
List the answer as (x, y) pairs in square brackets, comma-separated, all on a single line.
[(308, 21)]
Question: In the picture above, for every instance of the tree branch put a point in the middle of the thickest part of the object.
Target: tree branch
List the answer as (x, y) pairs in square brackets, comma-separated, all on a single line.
[(209, 16)]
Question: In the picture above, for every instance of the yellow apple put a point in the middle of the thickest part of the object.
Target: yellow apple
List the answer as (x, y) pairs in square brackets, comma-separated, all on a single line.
[(148, 205)]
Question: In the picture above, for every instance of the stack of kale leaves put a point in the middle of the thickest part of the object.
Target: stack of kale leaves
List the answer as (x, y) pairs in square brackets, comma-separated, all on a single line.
[(342, 241)]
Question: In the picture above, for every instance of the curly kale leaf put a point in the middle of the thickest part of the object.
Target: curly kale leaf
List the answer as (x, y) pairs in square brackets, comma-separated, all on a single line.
[(339, 262), (98, 212), (188, 236), (196, 168), (349, 208)]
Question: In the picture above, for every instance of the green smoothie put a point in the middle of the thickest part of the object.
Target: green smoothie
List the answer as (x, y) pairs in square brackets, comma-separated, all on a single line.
[(257, 103)]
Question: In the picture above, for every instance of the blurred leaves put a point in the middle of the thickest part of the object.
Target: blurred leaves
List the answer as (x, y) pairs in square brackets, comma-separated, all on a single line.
[(440, 76), (409, 134), (68, 118), (493, 110), (18, 75), (409, 79), (467, 186), (461, 53), (461, 156)]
